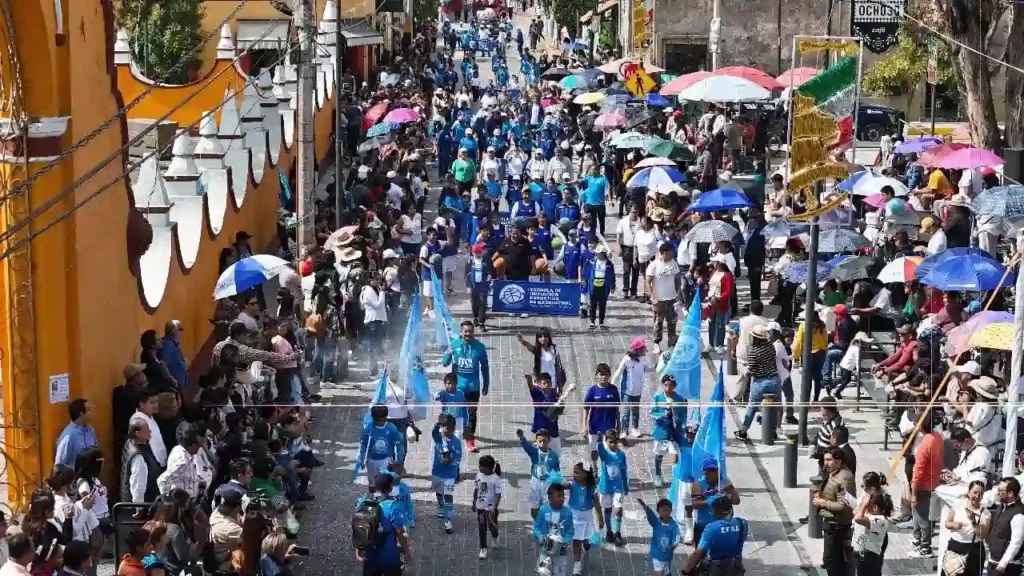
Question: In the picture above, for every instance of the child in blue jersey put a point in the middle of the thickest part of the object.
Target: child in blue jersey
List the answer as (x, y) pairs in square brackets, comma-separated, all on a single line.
[(600, 419), (487, 490), (445, 471), (613, 485), (543, 461), (588, 246), (544, 396), (453, 401), (665, 536), (721, 545), (668, 410), (553, 529), (583, 500), (380, 444), (402, 494)]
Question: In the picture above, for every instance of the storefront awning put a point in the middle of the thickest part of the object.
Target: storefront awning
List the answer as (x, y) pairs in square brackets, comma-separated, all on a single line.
[(262, 34), (607, 5), (361, 35)]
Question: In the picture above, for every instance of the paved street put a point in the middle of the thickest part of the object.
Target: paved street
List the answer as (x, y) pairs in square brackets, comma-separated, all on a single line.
[(778, 543)]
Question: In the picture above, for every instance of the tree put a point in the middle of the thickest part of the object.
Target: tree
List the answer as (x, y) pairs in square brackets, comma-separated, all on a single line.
[(1014, 89), (165, 36), (906, 65), (568, 13)]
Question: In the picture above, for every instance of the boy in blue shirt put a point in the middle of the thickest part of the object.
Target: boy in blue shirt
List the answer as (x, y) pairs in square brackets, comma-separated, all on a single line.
[(380, 444), (544, 396), (402, 494), (453, 401), (468, 358), (387, 557), (543, 461), (664, 536), (613, 485), (553, 529), (668, 410), (600, 419), (445, 471), (721, 545)]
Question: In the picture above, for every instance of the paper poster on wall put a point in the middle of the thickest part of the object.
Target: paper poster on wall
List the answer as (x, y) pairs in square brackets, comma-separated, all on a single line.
[(60, 389)]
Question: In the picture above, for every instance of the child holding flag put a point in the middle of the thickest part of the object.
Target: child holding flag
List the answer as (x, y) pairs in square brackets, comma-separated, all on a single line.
[(543, 462), (668, 410), (613, 486), (445, 471)]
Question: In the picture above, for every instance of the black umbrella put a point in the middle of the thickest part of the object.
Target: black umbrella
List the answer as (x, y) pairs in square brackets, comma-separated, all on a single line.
[(639, 119), (555, 74)]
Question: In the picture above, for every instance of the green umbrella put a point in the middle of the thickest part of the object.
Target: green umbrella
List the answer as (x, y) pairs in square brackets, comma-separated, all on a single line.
[(661, 148), (630, 140)]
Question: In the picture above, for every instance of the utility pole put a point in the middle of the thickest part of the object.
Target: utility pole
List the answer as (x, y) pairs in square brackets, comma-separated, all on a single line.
[(339, 117), (715, 33), (304, 202)]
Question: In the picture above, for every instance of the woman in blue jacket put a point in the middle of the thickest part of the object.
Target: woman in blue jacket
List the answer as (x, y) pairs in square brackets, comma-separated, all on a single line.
[(599, 282)]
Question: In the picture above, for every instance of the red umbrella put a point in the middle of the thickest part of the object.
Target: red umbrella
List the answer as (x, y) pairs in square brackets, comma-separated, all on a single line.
[(762, 79), (797, 76), (932, 157), (683, 82), (374, 114)]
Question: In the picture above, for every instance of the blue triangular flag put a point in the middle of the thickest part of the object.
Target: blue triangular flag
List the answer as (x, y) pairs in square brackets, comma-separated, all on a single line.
[(684, 363), (710, 440)]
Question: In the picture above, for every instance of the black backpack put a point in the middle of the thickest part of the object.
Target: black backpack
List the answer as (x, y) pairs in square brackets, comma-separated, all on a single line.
[(367, 529)]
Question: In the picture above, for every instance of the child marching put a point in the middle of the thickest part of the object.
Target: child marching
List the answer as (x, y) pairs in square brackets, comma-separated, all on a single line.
[(445, 471), (487, 490), (665, 536), (613, 486), (543, 462)]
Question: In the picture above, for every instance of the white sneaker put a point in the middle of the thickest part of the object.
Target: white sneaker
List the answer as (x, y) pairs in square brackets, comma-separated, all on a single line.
[(524, 315), (688, 526), (656, 349), (658, 482), (577, 568), (483, 554), (448, 528)]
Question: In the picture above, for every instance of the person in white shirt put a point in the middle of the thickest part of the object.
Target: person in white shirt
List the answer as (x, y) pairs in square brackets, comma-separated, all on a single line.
[(487, 490), (984, 421), (630, 376), (964, 522), (250, 316), (21, 552), (489, 163), (1007, 513), (645, 242), (662, 285), (410, 230), (148, 405), (974, 461), (395, 195), (181, 472), (784, 364), (373, 301), (625, 233), (515, 161)]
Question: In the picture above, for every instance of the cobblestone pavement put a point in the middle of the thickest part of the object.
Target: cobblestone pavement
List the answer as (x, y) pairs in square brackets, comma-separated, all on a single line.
[(778, 543)]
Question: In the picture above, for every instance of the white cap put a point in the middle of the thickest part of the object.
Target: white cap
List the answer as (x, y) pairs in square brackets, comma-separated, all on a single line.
[(775, 326), (389, 253), (469, 131), (463, 149), (566, 177), (565, 144), (497, 131), (972, 368), (490, 149), (391, 174), (600, 249), (719, 258)]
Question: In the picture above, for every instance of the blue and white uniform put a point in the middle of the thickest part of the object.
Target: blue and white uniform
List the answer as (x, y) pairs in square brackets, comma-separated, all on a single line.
[(613, 485), (581, 503), (542, 464), (664, 539)]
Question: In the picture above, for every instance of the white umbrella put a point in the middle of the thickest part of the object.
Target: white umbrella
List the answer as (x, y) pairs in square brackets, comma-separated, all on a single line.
[(724, 89), (871, 184), (666, 188), (248, 273), (655, 161)]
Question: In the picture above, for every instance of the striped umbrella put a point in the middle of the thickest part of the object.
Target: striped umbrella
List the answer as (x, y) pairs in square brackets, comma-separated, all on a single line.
[(1005, 201), (650, 177), (836, 240), (900, 270), (381, 129)]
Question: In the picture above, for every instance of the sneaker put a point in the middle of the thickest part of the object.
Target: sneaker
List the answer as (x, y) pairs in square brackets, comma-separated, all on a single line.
[(577, 568), (619, 540), (483, 554), (688, 535), (603, 327), (656, 349), (903, 518), (658, 482), (791, 421), (544, 567), (471, 446), (448, 528), (741, 434), (592, 326), (609, 537), (524, 315), (923, 553)]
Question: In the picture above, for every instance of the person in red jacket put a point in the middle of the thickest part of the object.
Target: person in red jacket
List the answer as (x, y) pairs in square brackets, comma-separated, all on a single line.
[(902, 358), (925, 478), (720, 289)]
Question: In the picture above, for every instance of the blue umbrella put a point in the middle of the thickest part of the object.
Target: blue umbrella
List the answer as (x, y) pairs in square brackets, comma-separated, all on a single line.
[(782, 229), (655, 99), (576, 81), (928, 263), (967, 273), (381, 129), (836, 240), (592, 74), (797, 272), (656, 176), (847, 185), (721, 199), (1005, 201), (248, 273), (575, 46), (839, 260), (917, 145)]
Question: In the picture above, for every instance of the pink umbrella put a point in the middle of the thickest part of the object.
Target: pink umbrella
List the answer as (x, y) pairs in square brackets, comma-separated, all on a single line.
[(876, 201), (931, 156), (402, 116), (373, 115), (762, 79), (968, 159), (683, 82), (797, 76), (609, 121)]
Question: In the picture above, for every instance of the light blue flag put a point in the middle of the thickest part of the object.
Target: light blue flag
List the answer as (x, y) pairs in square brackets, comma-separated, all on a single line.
[(710, 440), (684, 363), (444, 325), (420, 389), (409, 342), (379, 397)]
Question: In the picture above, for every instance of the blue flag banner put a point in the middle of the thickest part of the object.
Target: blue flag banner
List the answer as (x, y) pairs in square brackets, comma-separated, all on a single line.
[(710, 440), (410, 369), (420, 393), (684, 364), (543, 298), (444, 325), (379, 397)]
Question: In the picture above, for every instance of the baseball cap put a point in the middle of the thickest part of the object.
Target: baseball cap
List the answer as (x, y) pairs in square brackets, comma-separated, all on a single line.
[(391, 174), (132, 370), (389, 253), (709, 463), (972, 368)]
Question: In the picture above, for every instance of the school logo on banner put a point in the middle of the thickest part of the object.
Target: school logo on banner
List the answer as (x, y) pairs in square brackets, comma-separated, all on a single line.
[(545, 298), (512, 296)]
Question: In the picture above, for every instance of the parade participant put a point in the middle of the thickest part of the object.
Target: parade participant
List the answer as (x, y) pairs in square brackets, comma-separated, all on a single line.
[(427, 252), (478, 278), (613, 485), (515, 255), (380, 444), (453, 401), (631, 375), (445, 470), (599, 279), (537, 166), (553, 529), (665, 536), (595, 192), (402, 495), (721, 544), (468, 359), (567, 210), (514, 191), (543, 462), (487, 490), (550, 199), (464, 170), (711, 485), (583, 500), (385, 559), (668, 410), (515, 160), (492, 189), (524, 209)]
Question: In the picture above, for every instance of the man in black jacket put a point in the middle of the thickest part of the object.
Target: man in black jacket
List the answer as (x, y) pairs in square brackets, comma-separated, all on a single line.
[(841, 439), (754, 252)]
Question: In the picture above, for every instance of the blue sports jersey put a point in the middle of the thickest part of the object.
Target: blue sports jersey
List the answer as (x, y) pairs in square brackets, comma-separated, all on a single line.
[(668, 421), (458, 397), (614, 472), (724, 539), (704, 514), (541, 463), (392, 517), (447, 455), (581, 497), (664, 537), (469, 364), (602, 419), (381, 443), (555, 523)]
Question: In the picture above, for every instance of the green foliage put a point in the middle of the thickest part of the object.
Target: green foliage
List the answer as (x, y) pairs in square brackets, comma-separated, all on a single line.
[(607, 37), (425, 10), (163, 34), (568, 13), (906, 66)]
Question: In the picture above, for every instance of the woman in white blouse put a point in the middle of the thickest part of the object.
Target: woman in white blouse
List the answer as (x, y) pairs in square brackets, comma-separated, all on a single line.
[(965, 551), (373, 300), (871, 525), (410, 230)]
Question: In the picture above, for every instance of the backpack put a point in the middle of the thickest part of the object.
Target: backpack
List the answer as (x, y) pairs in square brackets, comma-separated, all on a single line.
[(367, 528)]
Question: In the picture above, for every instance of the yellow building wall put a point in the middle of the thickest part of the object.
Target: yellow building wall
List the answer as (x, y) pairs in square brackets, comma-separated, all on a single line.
[(89, 311)]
